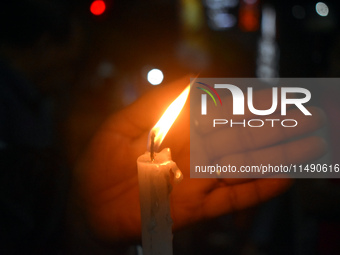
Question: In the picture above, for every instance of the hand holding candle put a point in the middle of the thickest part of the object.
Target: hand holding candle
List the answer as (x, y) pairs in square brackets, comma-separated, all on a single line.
[(107, 181)]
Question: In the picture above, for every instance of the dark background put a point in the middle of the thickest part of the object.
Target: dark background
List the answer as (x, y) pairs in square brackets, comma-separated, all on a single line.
[(100, 64)]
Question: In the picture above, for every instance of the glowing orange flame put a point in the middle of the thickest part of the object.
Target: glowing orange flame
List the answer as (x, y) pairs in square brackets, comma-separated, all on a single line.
[(168, 118)]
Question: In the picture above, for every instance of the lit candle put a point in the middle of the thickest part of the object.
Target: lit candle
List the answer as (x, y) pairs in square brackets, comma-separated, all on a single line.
[(154, 177)]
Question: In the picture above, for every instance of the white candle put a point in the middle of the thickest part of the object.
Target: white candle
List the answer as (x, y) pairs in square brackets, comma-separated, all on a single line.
[(155, 178), (154, 190)]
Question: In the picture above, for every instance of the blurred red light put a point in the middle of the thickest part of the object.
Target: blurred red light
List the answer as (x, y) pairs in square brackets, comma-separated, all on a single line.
[(249, 20), (97, 7), (249, 16)]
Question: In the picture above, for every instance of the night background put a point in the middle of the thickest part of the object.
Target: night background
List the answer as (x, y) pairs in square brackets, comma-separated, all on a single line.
[(92, 65)]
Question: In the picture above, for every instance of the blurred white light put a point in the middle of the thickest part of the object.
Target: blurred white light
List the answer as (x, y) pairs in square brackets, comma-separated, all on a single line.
[(268, 22), (267, 63), (225, 20), (155, 76), (322, 9), (221, 20)]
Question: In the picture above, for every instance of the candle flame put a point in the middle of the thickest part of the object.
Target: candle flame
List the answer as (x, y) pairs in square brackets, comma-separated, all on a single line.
[(168, 118)]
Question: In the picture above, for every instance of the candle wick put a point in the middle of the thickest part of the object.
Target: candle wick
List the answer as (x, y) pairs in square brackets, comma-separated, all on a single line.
[(152, 150)]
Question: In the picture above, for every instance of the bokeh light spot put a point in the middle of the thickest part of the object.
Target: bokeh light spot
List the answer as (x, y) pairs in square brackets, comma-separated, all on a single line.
[(155, 76), (322, 9), (97, 7)]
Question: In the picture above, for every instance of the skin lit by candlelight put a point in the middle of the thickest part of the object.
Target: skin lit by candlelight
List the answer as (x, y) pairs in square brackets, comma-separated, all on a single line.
[(168, 118)]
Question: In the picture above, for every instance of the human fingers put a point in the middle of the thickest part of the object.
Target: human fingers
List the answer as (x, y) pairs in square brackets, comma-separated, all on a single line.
[(226, 199), (147, 110), (262, 99), (240, 139), (294, 152)]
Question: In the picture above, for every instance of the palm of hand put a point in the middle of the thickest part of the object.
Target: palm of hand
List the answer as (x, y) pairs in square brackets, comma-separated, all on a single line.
[(106, 177)]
